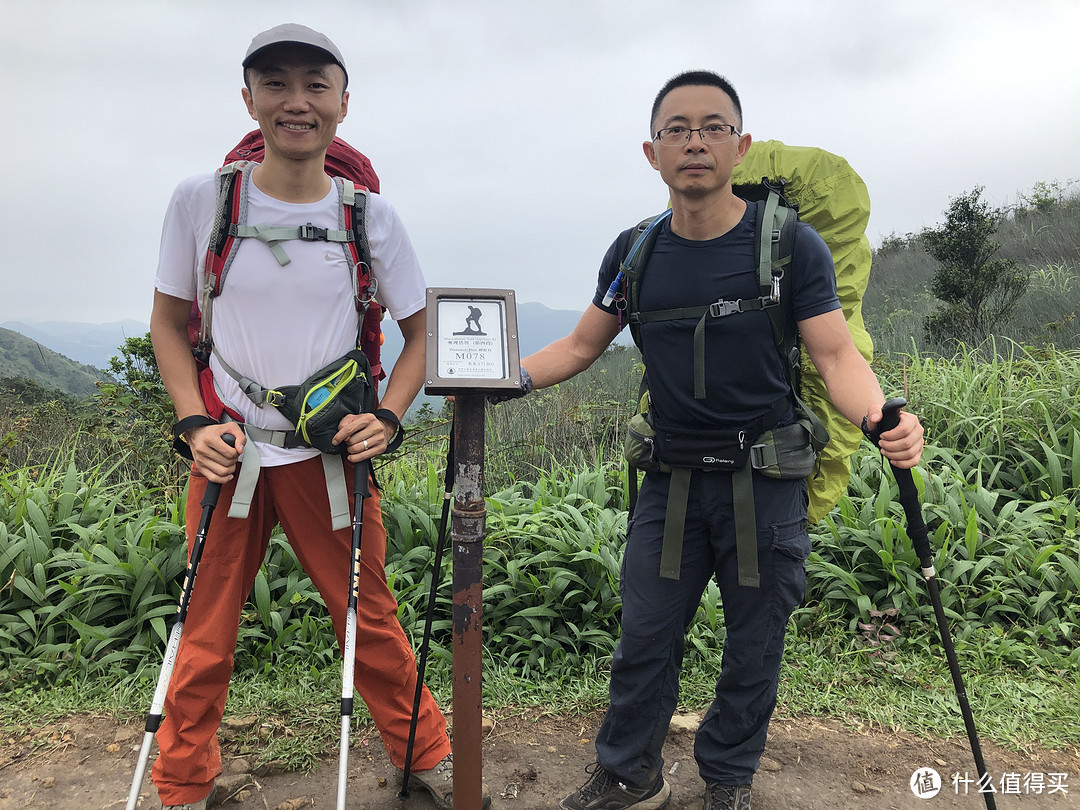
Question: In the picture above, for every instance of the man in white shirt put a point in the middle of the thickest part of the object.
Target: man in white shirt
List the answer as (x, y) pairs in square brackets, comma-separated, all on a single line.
[(278, 324)]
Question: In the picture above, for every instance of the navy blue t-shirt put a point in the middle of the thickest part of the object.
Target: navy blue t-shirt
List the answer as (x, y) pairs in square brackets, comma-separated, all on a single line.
[(744, 377)]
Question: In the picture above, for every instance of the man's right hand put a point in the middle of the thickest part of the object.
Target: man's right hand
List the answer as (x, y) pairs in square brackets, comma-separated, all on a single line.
[(214, 459)]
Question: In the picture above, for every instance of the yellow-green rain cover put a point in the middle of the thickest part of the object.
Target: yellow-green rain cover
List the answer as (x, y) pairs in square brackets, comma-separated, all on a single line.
[(834, 200)]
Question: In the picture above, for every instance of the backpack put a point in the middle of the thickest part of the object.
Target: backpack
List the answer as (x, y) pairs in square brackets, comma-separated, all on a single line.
[(354, 174), (834, 200), (350, 382), (790, 183)]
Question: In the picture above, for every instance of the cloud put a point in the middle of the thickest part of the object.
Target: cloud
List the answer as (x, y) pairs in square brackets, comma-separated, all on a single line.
[(508, 135)]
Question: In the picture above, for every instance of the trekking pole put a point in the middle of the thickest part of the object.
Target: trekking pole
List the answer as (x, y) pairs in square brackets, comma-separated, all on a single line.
[(361, 473), (920, 541), (448, 494), (153, 719)]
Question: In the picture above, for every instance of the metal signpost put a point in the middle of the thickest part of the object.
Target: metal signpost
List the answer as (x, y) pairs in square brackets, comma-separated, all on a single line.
[(471, 354)]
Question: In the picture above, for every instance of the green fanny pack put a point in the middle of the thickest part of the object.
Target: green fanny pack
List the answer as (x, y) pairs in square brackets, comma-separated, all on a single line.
[(317, 405), (785, 452)]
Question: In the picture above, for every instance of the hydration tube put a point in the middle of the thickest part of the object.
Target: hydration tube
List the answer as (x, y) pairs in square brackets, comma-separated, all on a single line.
[(613, 290)]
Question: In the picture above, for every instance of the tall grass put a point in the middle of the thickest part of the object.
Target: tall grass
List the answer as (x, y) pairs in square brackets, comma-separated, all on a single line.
[(89, 568), (574, 424), (1008, 415)]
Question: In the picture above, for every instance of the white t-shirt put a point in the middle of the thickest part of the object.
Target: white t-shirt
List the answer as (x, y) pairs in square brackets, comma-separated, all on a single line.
[(280, 324)]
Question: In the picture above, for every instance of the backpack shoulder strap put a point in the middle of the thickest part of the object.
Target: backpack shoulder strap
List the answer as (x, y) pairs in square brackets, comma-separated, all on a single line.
[(774, 236), (774, 244), (353, 218), (776, 223), (230, 210), (633, 266)]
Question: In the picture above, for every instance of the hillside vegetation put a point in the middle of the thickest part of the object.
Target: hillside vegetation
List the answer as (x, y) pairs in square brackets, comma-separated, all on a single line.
[(21, 357), (1042, 235), (91, 541), (92, 563)]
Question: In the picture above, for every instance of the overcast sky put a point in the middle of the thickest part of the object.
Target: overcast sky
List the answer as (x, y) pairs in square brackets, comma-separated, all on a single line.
[(508, 135)]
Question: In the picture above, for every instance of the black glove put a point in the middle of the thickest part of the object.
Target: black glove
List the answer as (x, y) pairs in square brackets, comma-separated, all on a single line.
[(503, 396)]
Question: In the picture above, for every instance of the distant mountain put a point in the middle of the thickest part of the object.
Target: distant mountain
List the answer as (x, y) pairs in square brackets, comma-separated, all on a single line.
[(91, 343), (91, 346), (20, 356), (538, 326)]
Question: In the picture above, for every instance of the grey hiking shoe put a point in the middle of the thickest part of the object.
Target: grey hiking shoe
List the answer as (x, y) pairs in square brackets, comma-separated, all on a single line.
[(202, 804), (726, 797), (439, 782), (604, 792)]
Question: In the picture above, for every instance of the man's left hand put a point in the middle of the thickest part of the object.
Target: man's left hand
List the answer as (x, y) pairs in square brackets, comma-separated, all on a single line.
[(365, 436)]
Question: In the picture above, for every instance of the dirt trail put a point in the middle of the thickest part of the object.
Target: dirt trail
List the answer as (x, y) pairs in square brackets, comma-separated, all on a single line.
[(529, 763)]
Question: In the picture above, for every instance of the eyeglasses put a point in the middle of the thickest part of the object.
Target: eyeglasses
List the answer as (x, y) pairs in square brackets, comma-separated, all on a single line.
[(711, 133)]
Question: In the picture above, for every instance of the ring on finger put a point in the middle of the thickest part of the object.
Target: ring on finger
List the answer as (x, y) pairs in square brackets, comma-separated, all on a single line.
[(365, 444)]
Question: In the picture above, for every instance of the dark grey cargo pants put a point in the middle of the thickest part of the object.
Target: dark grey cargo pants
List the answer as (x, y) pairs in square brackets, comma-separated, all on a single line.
[(656, 613)]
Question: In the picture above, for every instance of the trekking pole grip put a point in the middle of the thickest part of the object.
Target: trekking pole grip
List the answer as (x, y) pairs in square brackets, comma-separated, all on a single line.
[(213, 488), (909, 494), (361, 476), (890, 416)]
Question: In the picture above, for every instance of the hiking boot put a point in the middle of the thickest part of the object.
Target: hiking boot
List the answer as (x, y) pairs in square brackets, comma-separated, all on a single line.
[(439, 782), (604, 792), (726, 797), (202, 804)]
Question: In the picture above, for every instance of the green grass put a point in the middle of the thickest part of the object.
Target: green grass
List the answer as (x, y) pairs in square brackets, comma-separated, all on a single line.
[(90, 561), (908, 686)]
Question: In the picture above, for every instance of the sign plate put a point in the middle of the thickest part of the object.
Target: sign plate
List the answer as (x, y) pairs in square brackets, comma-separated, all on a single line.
[(472, 342)]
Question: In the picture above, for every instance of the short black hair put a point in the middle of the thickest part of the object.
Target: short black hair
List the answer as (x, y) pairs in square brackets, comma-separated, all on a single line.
[(695, 78)]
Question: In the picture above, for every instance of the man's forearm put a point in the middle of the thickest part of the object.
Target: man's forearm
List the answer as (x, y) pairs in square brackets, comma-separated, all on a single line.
[(854, 389), (405, 381), (555, 362), (176, 364), (574, 353)]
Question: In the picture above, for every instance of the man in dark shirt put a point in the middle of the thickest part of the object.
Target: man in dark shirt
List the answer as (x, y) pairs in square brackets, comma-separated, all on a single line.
[(705, 253)]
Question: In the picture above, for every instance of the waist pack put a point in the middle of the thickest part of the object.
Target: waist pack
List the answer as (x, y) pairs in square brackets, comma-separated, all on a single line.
[(663, 449), (316, 407), (318, 404), (786, 452)]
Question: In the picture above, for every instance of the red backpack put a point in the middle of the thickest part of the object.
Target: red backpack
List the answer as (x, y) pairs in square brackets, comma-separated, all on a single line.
[(342, 160), (358, 176)]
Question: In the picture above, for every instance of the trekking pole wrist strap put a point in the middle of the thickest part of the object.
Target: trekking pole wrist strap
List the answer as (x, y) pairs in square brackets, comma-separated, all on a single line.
[(180, 444), (387, 415)]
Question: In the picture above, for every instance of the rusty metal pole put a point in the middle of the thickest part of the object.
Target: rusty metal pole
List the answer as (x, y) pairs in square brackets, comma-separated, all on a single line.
[(467, 519)]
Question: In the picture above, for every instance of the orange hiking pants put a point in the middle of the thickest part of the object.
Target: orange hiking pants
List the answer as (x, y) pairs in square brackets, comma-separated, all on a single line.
[(294, 495)]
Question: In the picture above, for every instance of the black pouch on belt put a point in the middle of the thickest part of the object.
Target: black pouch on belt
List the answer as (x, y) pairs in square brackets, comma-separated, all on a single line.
[(724, 450), (682, 450), (318, 404)]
